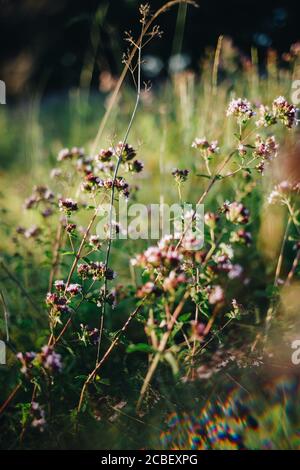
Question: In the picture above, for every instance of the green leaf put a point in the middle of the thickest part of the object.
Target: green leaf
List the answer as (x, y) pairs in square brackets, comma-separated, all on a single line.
[(172, 362), (202, 175), (184, 317), (140, 347), (66, 253)]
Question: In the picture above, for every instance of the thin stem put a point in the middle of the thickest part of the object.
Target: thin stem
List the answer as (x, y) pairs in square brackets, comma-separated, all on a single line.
[(10, 398), (293, 268), (271, 310), (103, 307), (55, 262), (108, 353), (161, 349), (113, 99)]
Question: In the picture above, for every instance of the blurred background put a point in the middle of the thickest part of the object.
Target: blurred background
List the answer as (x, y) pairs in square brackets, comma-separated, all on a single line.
[(52, 45)]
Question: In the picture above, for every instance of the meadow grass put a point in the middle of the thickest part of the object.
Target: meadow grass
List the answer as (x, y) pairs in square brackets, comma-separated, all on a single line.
[(169, 118)]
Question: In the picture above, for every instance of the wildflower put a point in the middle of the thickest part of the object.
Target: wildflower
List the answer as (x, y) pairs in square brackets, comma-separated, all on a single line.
[(59, 286), (83, 270), (57, 303), (274, 197), (74, 289), (192, 243), (104, 155), (50, 360), (223, 257), (213, 147), (77, 152), (125, 152), (266, 149), (30, 202), (211, 219), (85, 164), (260, 167), (266, 117), (120, 184), (173, 280), (70, 228), (241, 109), (55, 173), (96, 270), (279, 191), (106, 167), (64, 154), (216, 295), (236, 212), (200, 143), (43, 193), (40, 194), (241, 236), (68, 205), (147, 289), (32, 232), (26, 361), (38, 414), (47, 212), (204, 145), (89, 334), (235, 271), (284, 111), (137, 166), (198, 330), (95, 242), (164, 256), (180, 175), (242, 150)]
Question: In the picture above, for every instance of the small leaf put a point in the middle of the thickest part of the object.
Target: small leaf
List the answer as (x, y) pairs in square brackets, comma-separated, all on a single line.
[(184, 317), (66, 253), (172, 362), (140, 347)]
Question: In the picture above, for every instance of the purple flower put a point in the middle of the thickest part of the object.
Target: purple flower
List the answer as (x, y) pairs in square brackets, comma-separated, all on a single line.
[(38, 415), (284, 112), (125, 151), (50, 359), (67, 205), (180, 175), (216, 295), (74, 289), (236, 212), (104, 155), (235, 271), (59, 285), (266, 149), (241, 109)]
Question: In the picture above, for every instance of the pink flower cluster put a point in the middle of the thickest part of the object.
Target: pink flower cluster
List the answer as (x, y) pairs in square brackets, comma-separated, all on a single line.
[(241, 109), (203, 144)]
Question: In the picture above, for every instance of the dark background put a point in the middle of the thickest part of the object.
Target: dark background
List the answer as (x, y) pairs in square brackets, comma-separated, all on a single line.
[(45, 43)]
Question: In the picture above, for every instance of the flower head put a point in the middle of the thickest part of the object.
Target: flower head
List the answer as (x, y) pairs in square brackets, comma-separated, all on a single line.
[(284, 112), (241, 109), (68, 205), (180, 175), (236, 212)]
